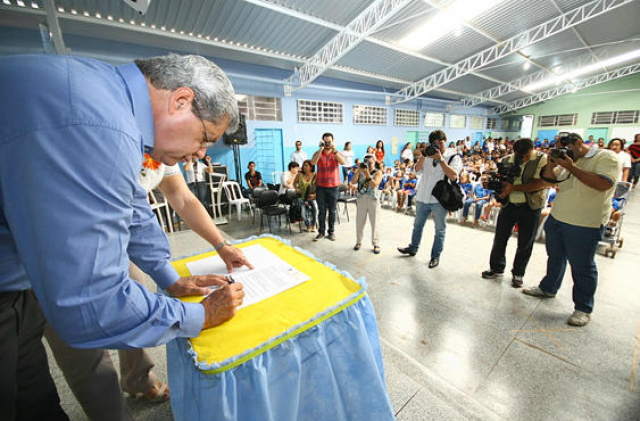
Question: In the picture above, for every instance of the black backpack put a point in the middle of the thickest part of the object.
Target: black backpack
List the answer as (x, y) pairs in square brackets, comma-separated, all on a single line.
[(449, 193)]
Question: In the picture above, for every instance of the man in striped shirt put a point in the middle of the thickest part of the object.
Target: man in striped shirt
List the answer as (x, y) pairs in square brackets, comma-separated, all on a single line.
[(328, 160)]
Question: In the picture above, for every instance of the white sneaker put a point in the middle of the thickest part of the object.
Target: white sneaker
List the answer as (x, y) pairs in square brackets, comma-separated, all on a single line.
[(579, 318), (537, 292)]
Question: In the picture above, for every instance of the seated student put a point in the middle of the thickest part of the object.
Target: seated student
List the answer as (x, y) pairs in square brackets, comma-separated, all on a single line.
[(287, 188), (351, 191), (492, 203), (465, 183), (479, 197), (407, 190), (387, 178), (253, 177), (537, 144)]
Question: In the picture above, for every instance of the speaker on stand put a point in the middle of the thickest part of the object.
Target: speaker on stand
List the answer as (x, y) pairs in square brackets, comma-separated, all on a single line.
[(239, 137)]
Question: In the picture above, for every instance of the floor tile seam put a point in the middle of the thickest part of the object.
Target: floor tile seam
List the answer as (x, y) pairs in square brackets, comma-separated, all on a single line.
[(451, 395), (407, 403)]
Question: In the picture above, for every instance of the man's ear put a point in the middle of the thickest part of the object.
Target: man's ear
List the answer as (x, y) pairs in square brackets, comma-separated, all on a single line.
[(181, 100)]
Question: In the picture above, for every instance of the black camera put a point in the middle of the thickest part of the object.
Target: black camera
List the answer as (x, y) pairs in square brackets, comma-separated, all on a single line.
[(561, 153), (363, 165), (506, 173), (430, 150)]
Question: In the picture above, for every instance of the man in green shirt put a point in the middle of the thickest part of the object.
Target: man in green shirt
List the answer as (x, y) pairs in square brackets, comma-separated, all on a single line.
[(587, 177)]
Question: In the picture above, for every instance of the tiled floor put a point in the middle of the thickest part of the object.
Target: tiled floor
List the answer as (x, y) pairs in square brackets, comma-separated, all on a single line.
[(457, 347)]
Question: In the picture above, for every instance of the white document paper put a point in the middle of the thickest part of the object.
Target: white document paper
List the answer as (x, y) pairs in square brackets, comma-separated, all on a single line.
[(271, 275)]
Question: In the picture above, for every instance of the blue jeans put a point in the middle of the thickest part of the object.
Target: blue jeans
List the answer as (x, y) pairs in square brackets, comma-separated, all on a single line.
[(478, 211), (327, 199), (423, 211), (309, 209), (578, 245)]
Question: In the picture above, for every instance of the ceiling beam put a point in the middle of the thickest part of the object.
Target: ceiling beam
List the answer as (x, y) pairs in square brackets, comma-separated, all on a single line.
[(54, 27), (520, 83), (355, 32), (567, 88), (330, 25), (510, 46)]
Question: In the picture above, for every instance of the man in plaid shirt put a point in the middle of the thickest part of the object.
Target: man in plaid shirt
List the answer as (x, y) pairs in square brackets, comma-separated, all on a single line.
[(328, 161)]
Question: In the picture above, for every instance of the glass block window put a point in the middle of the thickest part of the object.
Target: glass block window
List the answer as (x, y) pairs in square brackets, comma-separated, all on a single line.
[(319, 112), (434, 120), (477, 122), (504, 124), (492, 124), (367, 114), (458, 121), (516, 125), (406, 117), (260, 108)]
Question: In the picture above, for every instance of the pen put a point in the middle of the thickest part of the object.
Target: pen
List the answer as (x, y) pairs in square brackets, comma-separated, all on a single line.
[(230, 280)]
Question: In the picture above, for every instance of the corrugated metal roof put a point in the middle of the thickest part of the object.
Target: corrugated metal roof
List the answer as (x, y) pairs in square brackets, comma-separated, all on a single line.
[(303, 27)]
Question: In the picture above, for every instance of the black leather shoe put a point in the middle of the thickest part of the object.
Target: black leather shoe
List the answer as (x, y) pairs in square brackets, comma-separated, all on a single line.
[(434, 262), (407, 250)]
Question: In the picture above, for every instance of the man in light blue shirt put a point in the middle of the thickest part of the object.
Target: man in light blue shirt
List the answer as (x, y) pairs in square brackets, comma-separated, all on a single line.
[(69, 225)]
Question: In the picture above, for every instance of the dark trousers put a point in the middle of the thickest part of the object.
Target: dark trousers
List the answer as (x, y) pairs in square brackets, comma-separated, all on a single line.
[(635, 173), (527, 220), (200, 189), (27, 391), (578, 245), (327, 199)]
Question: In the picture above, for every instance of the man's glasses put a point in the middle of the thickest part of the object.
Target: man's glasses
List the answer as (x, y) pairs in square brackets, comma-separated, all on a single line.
[(206, 142)]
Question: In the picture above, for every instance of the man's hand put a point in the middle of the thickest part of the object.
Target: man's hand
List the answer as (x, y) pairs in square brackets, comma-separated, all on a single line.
[(195, 285), (507, 188), (565, 162), (233, 258), (436, 156), (221, 305)]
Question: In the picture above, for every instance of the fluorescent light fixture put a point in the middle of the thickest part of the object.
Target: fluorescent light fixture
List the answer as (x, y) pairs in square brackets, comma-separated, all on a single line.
[(445, 22), (595, 67), (526, 65)]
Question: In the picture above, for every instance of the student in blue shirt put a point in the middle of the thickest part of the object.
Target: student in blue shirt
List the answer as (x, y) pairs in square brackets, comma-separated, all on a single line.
[(88, 124)]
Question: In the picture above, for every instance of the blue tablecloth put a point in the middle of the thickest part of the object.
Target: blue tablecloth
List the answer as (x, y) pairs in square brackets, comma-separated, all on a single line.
[(332, 371)]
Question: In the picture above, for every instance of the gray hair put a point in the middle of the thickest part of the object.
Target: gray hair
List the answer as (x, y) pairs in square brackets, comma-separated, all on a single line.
[(214, 94)]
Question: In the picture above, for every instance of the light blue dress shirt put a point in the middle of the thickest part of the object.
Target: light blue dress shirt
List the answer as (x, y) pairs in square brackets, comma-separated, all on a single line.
[(72, 214)]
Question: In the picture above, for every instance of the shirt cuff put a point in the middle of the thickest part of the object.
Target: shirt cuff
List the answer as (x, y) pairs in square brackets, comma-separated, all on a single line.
[(194, 319), (165, 276)]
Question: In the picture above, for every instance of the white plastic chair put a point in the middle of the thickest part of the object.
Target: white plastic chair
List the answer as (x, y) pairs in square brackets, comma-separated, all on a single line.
[(216, 181), (235, 198), (157, 206)]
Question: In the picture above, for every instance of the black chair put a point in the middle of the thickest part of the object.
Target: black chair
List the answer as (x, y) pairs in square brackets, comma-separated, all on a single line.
[(345, 199), (267, 205), (253, 198)]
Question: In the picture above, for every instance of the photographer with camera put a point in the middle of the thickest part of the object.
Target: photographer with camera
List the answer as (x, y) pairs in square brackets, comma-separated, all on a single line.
[(522, 194), (368, 177), (434, 162), (328, 161), (587, 179)]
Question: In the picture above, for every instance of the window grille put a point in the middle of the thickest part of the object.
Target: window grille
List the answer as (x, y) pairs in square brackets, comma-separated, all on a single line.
[(458, 121), (558, 120), (310, 111), (261, 108), (477, 122), (406, 117), (367, 114), (615, 117), (434, 120), (492, 124)]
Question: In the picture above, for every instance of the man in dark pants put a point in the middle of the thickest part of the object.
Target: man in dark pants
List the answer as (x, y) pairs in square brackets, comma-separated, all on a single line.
[(328, 160), (32, 394), (525, 199)]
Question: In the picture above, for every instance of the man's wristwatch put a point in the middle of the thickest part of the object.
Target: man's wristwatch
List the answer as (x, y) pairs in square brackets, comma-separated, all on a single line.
[(222, 244)]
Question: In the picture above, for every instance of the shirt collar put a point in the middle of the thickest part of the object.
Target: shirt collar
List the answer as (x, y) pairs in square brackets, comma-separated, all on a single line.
[(592, 151), (140, 100)]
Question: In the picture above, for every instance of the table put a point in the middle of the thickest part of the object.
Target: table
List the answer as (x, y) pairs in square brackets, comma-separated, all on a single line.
[(309, 353)]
